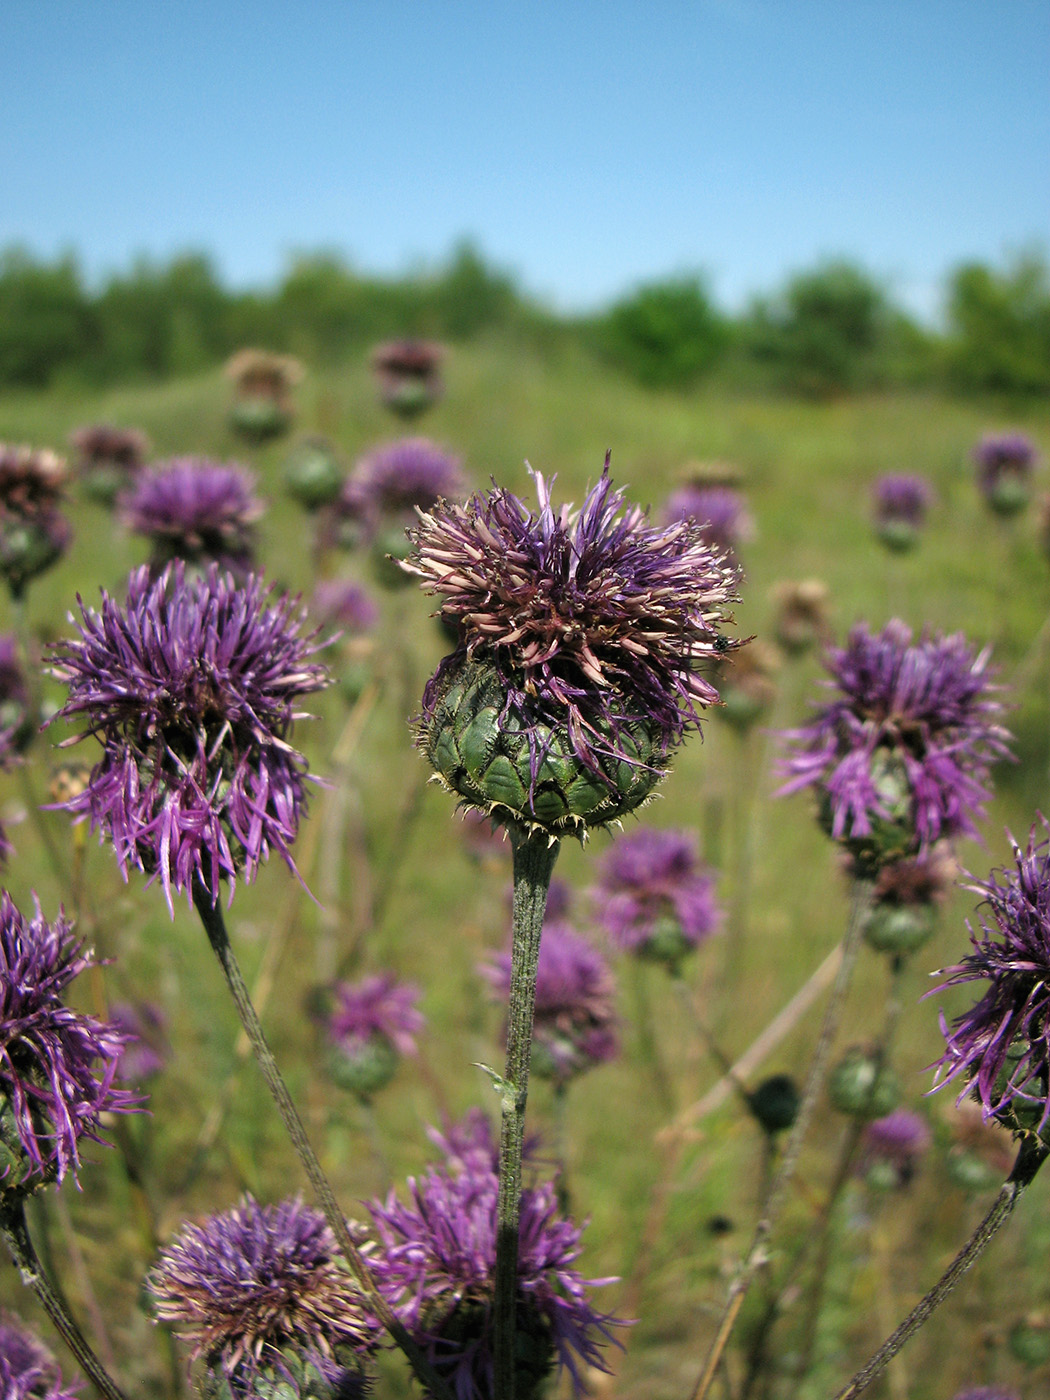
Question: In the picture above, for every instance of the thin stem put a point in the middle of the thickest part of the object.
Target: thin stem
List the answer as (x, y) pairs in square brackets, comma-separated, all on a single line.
[(756, 1255), (1030, 1158), (16, 1236), (215, 926), (534, 857)]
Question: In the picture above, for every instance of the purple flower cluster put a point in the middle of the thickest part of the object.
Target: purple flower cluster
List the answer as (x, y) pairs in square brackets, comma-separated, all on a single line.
[(1001, 1046), (575, 1017), (28, 1371), (57, 1065), (191, 688), (340, 602), (258, 1288), (591, 619), (197, 510), (901, 755), (378, 1005), (901, 502), (1005, 463), (892, 1147), (654, 897), (146, 1050), (437, 1262), (720, 512)]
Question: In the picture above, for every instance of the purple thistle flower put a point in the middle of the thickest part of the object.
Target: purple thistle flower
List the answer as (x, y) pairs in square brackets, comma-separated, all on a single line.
[(374, 1023), (51, 1093), (901, 501), (1005, 463), (437, 1263), (146, 1049), (720, 512), (1001, 1046), (28, 1371), (894, 1144), (340, 602), (191, 688), (654, 897), (468, 1144), (412, 472), (575, 1016), (900, 758), (260, 1288), (593, 622), (195, 509)]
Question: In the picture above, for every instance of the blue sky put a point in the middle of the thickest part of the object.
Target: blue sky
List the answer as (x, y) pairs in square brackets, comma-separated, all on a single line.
[(583, 146)]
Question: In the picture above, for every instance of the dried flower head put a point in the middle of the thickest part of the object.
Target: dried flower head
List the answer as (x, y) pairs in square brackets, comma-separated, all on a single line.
[(719, 511), (582, 634), (900, 757), (372, 1024), (437, 1265), (801, 619), (57, 1065), (747, 681), (34, 533), (17, 720), (1001, 1046), (575, 1015), (108, 458), (901, 501), (191, 688), (197, 510), (261, 1290), (408, 375), (902, 914), (28, 1371), (1005, 463), (262, 374), (655, 898)]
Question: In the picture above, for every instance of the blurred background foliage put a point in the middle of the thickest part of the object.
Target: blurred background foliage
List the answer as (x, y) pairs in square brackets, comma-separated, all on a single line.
[(831, 329)]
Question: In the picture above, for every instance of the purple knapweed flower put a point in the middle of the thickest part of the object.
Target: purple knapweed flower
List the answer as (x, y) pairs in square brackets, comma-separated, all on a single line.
[(1001, 1046), (57, 1065), (395, 480), (191, 688), (654, 897), (436, 1265), (261, 1293), (34, 533), (1005, 463), (197, 510), (574, 1025), (373, 1024), (28, 1371), (146, 1049), (892, 1147), (901, 501), (900, 757), (584, 631), (720, 512), (343, 603)]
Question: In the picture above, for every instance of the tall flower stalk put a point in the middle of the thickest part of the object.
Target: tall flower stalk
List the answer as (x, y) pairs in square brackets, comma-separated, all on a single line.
[(581, 634)]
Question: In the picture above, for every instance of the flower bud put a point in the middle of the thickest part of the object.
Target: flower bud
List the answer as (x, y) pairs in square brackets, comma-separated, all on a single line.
[(775, 1103), (861, 1086), (313, 476)]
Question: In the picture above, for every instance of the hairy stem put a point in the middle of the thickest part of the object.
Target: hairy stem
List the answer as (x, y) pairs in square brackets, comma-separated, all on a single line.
[(16, 1236), (215, 926), (534, 858), (1030, 1158)]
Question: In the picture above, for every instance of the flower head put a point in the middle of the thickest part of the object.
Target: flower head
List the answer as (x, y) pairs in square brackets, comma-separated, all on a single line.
[(584, 631), (1005, 463), (262, 374), (191, 688), (373, 1023), (108, 458), (412, 472), (260, 1289), (437, 1266), (340, 602), (901, 502), (892, 1146), (900, 757), (654, 897), (195, 509), (57, 1065), (146, 1049), (34, 533), (801, 619), (408, 375), (719, 511), (28, 1371), (1001, 1046), (575, 1017)]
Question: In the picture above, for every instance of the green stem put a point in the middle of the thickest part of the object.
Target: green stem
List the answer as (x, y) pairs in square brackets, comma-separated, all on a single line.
[(16, 1236), (756, 1256), (215, 927), (1030, 1158), (534, 857)]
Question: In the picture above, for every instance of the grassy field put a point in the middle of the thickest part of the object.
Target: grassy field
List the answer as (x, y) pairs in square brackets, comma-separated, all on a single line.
[(398, 889)]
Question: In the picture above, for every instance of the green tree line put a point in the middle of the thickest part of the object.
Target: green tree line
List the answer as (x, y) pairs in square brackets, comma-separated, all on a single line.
[(832, 329)]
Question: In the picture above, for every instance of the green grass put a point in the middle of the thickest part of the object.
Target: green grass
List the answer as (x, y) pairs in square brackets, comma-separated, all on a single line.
[(808, 469)]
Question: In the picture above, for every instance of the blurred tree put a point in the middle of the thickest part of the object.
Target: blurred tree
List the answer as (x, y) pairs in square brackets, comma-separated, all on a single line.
[(46, 321), (160, 320), (999, 327), (666, 334)]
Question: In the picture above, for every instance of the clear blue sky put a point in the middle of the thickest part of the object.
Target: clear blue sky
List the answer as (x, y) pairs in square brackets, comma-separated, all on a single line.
[(583, 146)]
